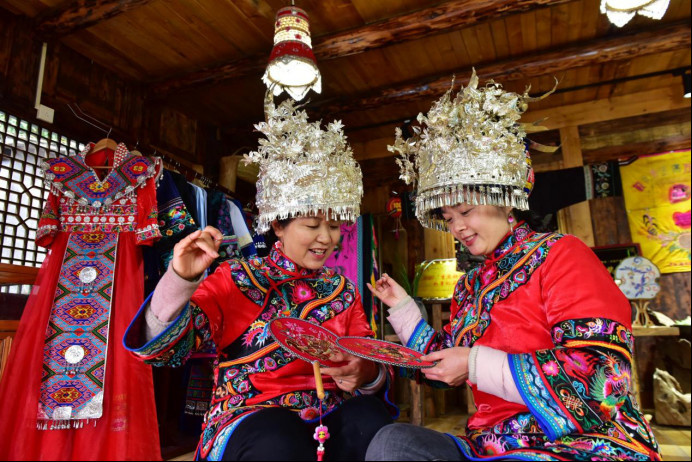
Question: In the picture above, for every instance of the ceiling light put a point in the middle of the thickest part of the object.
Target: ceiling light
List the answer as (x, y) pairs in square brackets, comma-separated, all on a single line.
[(292, 65), (620, 12)]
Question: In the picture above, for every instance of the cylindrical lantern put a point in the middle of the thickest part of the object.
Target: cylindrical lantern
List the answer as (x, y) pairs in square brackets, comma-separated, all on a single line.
[(292, 65), (620, 12)]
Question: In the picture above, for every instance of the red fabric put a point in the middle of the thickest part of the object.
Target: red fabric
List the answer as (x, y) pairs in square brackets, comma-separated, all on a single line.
[(128, 429), (147, 211), (212, 297), (572, 283), (49, 218)]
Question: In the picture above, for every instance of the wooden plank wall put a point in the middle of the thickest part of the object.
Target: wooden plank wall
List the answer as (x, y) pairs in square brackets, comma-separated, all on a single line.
[(70, 78), (610, 228)]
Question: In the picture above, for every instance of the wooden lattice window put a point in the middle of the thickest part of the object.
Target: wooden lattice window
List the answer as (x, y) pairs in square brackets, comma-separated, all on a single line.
[(22, 191)]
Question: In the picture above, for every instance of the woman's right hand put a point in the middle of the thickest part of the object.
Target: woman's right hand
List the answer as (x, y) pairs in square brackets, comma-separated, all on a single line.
[(196, 252), (388, 290)]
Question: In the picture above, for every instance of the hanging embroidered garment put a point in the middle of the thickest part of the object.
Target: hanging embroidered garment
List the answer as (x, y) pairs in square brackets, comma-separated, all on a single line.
[(356, 258), (71, 391)]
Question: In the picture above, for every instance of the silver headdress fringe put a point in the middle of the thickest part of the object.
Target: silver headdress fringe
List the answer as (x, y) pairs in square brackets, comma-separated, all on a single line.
[(303, 170), (468, 150)]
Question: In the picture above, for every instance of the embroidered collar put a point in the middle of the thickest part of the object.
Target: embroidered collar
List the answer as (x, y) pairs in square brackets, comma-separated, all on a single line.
[(510, 241), (280, 260)]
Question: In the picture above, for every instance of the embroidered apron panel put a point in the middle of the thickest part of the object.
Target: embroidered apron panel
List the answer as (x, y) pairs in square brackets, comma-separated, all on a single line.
[(74, 355)]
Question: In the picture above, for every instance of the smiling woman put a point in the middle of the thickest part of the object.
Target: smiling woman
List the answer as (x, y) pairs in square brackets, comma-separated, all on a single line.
[(539, 331), (308, 241), (264, 399)]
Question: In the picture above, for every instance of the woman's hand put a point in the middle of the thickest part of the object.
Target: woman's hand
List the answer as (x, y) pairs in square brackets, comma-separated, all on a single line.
[(196, 252), (388, 290), (452, 368), (353, 375)]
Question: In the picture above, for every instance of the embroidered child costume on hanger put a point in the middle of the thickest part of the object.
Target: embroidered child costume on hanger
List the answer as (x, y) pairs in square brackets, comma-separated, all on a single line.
[(71, 390)]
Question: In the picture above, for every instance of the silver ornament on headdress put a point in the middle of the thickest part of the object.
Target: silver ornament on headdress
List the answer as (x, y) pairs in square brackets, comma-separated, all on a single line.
[(303, 169), (470, 150)]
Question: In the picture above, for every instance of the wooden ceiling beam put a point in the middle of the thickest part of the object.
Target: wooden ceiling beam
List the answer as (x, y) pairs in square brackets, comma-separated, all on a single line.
[(80, 15), (663, 38), (592, 112), (444, 17), (617, 107), (640, 148)]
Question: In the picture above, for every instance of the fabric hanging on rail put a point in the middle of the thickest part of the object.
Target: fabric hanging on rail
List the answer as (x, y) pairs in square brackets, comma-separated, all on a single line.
[(245, 242), (175, 222), (201, 204), (356, 258), (558, 189), (187, 194)]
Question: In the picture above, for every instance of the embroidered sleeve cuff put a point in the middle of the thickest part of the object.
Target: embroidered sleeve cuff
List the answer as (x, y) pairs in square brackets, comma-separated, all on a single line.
[(422, 337), (170, 347), (538, 397)]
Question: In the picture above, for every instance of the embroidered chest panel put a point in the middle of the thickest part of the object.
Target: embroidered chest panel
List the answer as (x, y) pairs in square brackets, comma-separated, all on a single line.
[(118, 217), (317, 297), (77, 181), (484, 286), (89, 204)]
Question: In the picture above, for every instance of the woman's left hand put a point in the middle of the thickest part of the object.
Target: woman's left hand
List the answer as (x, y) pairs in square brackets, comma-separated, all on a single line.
[(452, 367), (354, 374)]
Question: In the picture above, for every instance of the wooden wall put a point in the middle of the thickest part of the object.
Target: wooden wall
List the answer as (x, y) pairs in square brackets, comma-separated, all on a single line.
[(71, 79)]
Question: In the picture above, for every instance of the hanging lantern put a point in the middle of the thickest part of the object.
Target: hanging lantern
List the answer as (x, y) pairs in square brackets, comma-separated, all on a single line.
[(620, 12), (292, 65)]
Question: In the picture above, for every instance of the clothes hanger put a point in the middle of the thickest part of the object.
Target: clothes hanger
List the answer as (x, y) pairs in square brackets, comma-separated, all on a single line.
[(101, 144), (135, 152), (104, 143)]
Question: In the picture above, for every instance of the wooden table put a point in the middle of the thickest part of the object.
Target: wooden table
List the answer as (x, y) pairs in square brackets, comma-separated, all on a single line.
[(649, 331)]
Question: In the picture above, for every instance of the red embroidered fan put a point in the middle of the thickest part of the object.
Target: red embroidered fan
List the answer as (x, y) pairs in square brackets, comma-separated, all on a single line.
[(306, 340), (311, 343), (382, 351)]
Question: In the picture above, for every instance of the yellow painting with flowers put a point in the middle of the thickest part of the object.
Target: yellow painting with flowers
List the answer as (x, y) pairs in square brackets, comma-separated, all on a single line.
[(657, 199)]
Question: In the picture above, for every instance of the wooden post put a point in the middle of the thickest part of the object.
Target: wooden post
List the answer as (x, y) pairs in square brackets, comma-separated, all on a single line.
[(228, 173), (438, 244), (576, 219), (416, 402)]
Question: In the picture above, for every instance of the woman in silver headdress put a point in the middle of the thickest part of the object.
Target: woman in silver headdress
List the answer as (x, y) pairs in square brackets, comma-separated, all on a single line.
[(539, 331), (265, 400)]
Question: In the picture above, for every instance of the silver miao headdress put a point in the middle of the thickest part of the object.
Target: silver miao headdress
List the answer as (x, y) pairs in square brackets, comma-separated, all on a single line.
[(303, 169), (469, 149)]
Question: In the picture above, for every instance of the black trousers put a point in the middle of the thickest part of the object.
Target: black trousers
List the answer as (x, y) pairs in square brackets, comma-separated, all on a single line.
[(280, 434)]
